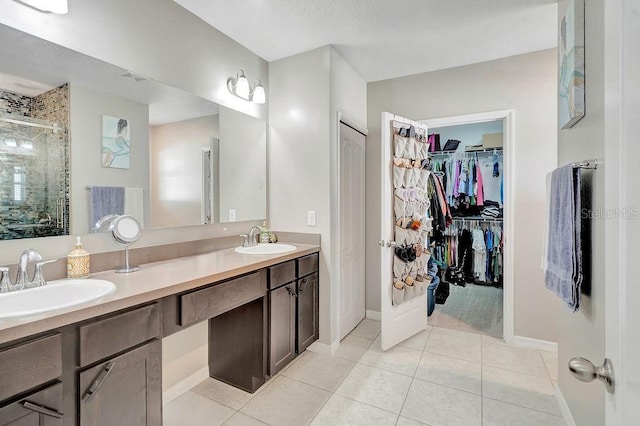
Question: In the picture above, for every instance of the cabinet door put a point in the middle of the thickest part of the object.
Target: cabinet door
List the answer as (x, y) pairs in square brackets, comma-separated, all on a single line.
[(282, 327), (307, 311), (42, 408), (126, 390)]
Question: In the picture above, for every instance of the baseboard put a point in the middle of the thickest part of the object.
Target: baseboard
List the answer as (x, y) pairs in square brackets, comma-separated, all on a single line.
[(374, 315), (564, 407), (185, 385), (323, 348), (541, 345)]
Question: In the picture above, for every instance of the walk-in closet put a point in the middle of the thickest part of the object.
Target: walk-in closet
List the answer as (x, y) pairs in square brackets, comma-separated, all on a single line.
[(468, 160)]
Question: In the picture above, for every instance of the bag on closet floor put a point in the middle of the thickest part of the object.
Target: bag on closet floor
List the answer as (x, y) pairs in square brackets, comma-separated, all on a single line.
[(442, 292)]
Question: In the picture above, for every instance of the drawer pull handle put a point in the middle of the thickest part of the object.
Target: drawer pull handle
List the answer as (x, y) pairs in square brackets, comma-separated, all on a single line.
[(97, 383), (291, 292), (303, 285), (42, 409)]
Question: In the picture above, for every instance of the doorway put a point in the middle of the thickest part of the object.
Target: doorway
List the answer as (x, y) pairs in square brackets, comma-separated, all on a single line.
[(482, 307)]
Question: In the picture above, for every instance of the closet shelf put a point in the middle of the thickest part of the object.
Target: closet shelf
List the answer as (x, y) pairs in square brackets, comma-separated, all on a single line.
[(471, 151), (477, 218)]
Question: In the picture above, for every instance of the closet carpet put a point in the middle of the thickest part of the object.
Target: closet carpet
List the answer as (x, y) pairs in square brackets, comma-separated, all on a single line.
[(474, 309)]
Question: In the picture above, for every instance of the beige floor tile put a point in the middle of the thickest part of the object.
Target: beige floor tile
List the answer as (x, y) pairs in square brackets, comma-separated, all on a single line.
[(459, 345), (352, 348), (438, 405), (497, 413), (520, 389), (551, 362), (398, 359), (369, 329), (403, 421), (344, 411), (319, 370), (452, 372), (512, 358), (379, 388), (286, 402), (195, 410), (223, 393), (418, 341), (239, 419)]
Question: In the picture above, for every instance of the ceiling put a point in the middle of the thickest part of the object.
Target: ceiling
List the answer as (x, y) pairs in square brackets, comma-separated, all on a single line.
[(384, 39)]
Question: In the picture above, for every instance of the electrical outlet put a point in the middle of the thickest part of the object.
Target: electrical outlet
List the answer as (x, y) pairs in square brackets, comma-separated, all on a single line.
[(232, 215), (311, 218)]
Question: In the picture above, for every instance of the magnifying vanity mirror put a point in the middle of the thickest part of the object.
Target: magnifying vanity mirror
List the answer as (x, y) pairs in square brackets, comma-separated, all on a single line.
[(126, 230), (126, 145)]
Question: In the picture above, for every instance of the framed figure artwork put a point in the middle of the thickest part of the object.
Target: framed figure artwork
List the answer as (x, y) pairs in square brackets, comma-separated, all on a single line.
[(571, 81)]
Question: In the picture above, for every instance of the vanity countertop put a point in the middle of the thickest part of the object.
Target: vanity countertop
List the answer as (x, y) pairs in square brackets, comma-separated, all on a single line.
[(154, 281)]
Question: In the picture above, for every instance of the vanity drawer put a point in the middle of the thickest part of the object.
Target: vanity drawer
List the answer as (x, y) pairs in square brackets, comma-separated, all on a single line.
[(308, 265), (282, 273), (105, 337), (211, 301), (29, 365)]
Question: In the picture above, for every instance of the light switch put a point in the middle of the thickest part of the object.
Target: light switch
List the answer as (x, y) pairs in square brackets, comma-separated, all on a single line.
[(311, 218), (232, 215)]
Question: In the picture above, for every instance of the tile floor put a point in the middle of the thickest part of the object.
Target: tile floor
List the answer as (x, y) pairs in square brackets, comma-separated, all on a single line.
[(438, 377)]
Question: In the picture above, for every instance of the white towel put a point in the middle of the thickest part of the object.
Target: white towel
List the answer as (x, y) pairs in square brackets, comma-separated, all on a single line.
[(134, 203)]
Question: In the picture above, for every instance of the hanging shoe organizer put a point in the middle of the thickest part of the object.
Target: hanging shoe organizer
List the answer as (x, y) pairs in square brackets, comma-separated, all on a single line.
[(411, 207)]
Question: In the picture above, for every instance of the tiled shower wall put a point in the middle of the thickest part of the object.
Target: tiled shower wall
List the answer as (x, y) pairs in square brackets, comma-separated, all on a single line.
[(46, 167)]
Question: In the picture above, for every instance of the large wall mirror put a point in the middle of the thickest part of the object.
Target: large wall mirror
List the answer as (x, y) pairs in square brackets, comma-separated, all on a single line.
[(81, 138)]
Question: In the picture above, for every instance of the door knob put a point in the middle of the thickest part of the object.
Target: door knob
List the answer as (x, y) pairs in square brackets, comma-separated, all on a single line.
[(391, 243), (584, 370), (383, 243)]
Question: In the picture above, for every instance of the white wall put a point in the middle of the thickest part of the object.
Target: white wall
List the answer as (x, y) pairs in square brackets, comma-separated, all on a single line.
[(583, 333), (87, 107), (307, 91), (175, 151), (524, 83), (243, 166)]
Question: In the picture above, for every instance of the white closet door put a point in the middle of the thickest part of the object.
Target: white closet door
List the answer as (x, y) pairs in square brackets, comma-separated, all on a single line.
[(402, 321), (352, 285)]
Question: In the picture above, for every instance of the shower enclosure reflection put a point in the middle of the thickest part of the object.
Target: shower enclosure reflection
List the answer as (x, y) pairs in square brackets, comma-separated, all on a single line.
[(33, 175)]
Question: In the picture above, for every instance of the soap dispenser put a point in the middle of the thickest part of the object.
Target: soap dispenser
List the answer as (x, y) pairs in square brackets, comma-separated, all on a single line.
[(264, 233), (78, 262)]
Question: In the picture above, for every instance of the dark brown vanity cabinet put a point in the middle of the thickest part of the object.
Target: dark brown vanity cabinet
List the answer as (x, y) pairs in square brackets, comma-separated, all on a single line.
[(30, 390), (121, 379), (293, 307), (125, 390), (307, 331)]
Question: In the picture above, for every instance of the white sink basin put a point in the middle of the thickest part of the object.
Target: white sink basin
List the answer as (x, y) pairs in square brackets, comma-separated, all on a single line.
[(275, 248), (55, 295)]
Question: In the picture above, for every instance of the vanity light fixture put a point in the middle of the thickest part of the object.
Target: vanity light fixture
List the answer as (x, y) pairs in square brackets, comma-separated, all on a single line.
[(60, 7), (239, 86)]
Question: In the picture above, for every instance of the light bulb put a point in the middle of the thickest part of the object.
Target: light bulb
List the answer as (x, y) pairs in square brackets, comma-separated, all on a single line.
[(242, 87), (258, 94)]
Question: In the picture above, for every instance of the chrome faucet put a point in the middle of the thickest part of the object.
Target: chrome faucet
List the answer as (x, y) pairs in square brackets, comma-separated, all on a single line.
[(250, 238), (22, 277)]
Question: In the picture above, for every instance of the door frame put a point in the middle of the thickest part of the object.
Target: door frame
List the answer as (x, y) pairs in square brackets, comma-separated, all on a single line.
[(334, 233), (509, 206), (621, 67)]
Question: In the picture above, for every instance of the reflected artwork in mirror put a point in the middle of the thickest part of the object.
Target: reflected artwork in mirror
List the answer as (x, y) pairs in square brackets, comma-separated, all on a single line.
[(191, 161)]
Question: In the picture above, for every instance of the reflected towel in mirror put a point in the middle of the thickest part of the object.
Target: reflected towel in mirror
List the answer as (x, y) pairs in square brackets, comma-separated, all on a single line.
[(104, 200)]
